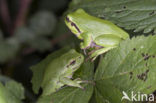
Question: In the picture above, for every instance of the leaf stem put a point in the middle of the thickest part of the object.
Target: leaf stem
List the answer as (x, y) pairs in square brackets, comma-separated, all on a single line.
[(21, 16)]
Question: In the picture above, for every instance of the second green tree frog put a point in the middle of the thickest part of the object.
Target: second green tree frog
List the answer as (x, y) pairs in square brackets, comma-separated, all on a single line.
[(59, 72), (96, 33)]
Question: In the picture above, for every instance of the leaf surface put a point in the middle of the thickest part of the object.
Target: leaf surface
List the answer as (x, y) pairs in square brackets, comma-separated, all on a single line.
[(130, 67)]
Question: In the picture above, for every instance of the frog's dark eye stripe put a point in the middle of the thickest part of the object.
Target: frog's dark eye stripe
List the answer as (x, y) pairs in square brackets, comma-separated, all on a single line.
[(73, 24)]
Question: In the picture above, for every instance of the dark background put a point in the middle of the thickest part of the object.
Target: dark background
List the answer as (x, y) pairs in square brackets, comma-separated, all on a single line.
[(15, 14)]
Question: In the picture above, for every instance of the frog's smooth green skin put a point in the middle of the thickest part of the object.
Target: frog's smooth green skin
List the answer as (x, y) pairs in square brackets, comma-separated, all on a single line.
[(59, 72), (96, 33)]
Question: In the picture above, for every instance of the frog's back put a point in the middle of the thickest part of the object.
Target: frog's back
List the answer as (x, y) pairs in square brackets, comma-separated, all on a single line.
[(101, 27), (97, 26), (54, 70)]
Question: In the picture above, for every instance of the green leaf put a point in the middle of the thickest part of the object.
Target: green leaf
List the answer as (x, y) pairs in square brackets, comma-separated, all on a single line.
[(16, 89), (3, 96), (69, 95), (10, 44), (130, 67), (40, 43), (93, 99), (24, 34), (130, 14), (38, 69), (11, 92), (27, 36), (43, 23), (72, 94)]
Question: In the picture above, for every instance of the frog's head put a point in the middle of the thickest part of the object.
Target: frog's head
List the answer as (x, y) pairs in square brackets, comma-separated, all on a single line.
[(74, 21), (74, 60)]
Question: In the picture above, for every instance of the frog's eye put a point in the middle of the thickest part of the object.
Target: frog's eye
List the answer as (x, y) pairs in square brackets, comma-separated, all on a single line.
[(73, 62)]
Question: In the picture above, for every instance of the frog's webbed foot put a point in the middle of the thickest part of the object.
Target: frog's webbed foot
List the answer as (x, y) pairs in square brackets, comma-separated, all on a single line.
[(73, 83), (96, 48), (84, 81), (91, 52)]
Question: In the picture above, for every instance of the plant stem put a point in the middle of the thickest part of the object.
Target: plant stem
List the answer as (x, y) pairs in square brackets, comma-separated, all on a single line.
[(22, 12)]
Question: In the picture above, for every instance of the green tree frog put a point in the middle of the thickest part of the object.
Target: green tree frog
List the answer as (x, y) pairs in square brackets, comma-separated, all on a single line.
[(59, 72), (97, 34)]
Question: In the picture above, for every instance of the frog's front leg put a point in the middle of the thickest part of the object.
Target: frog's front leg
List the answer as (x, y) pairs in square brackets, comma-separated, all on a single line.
[(107, 41), (87, 40), (69, 82)]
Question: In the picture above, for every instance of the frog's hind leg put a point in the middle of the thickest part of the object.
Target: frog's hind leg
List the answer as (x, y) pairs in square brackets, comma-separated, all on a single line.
[(98, 52), (107, 41)]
